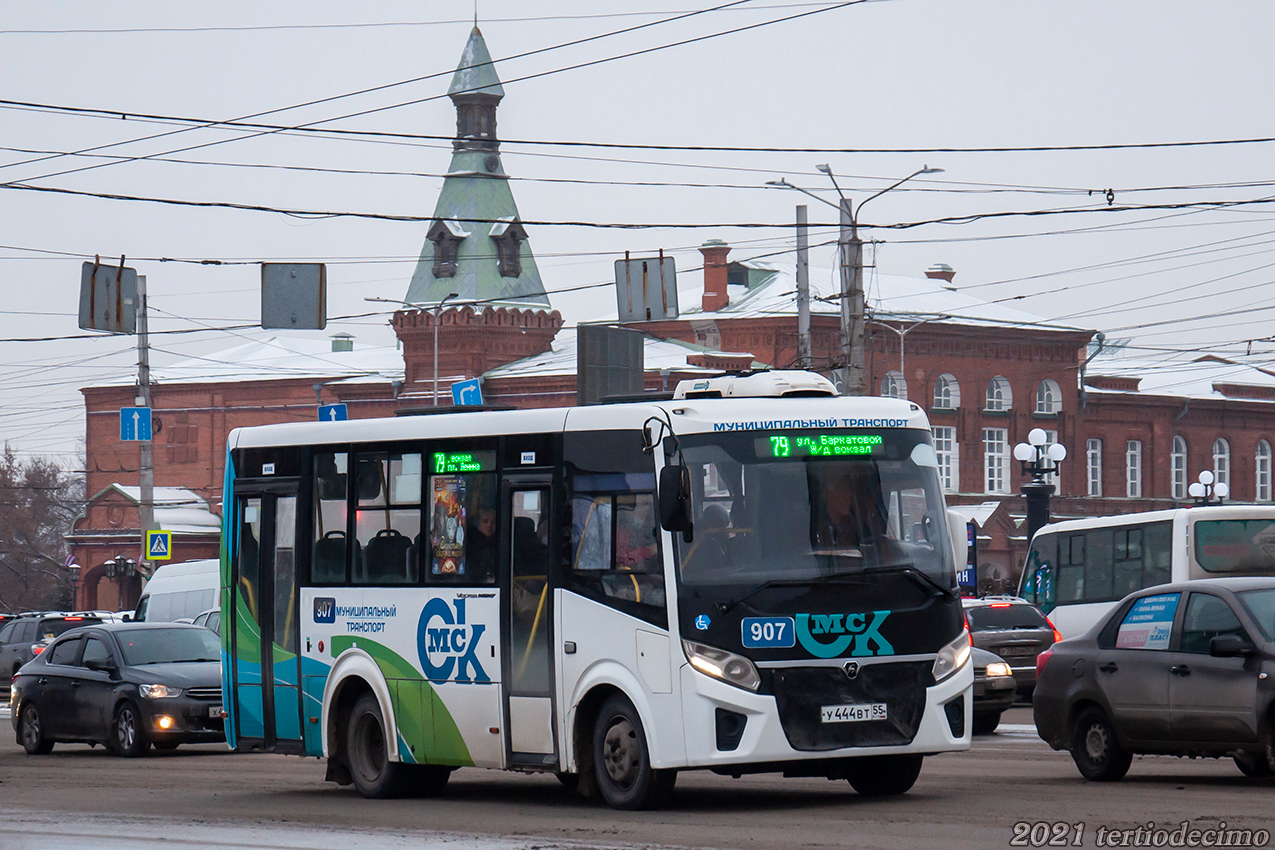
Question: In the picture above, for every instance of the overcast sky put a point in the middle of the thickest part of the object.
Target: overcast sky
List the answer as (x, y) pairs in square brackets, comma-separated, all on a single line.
[(891, 75)]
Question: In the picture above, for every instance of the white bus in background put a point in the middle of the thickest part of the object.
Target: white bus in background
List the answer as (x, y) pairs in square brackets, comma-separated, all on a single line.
[(512, 590), (180, 591), (1077, 570)]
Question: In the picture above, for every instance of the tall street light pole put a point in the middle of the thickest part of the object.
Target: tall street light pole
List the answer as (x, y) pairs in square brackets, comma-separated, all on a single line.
[(438, 309), (903, 335), (850, 253)]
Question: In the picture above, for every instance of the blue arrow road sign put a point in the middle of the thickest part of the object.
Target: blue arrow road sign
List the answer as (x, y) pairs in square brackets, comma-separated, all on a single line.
[(135, 423), (159, 545), (333, 413), (467, 392)]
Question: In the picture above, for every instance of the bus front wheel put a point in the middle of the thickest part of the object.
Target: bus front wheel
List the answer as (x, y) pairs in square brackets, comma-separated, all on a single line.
[(884, 776), (622, 760), (374, 775)]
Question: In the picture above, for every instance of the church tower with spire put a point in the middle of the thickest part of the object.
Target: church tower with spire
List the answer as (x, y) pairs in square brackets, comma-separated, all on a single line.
[(475, 250)]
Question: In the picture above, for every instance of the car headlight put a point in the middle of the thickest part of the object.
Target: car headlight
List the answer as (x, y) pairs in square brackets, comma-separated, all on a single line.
[(999, 668), (159, 691), (730, 668), (952, 657)]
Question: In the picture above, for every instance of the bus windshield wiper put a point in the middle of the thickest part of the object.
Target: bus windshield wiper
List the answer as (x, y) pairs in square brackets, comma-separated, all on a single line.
[(920, 576), (726, 607)]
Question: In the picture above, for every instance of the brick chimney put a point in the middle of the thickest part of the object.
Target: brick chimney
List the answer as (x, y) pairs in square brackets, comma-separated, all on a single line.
[(715, 297), (940, 271)]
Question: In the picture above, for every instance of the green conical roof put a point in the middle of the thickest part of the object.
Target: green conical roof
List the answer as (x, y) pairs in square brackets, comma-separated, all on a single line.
[(475, 73), (475, 205)]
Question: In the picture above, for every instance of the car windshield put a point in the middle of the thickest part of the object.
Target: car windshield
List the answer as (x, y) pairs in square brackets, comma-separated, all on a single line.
[(993, 617), (1261, 604), (168, 646), (50, 629), (804, 505)]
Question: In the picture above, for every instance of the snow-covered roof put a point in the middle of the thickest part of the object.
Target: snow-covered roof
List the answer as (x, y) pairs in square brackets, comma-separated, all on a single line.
[(888, 297), (1182, 376), (177, 509), (657, 354), (980, 514), (278, 359)]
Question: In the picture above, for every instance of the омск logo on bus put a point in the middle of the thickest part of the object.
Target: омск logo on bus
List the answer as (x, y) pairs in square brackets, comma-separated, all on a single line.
[(848, 628), (448, 646)]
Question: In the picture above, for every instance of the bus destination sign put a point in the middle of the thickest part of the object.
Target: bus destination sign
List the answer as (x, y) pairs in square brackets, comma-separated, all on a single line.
[(447, 463), (817, 445)]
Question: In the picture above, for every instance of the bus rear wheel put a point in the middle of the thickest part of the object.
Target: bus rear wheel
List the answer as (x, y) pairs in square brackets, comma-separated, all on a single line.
[(884, 776), (622, 760), (374, 775)]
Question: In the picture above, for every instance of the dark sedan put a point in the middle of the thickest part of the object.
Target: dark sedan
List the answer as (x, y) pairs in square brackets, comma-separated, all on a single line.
[(126, 685), (1184, 669)]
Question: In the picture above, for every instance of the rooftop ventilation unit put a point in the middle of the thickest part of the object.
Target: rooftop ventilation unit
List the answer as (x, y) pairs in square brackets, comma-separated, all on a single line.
[(778, 384)]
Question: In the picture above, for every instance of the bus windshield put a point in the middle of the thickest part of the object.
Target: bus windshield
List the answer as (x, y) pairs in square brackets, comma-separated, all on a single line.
[(806, 505)]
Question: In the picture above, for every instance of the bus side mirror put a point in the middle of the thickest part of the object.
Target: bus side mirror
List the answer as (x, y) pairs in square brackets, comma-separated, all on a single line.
[(675, 501), (960, 539)]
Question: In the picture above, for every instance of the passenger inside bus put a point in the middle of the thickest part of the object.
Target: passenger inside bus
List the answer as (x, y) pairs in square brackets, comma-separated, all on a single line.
[(480, 557)]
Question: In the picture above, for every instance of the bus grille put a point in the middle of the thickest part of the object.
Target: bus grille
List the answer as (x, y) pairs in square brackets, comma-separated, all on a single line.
[(802, 692)]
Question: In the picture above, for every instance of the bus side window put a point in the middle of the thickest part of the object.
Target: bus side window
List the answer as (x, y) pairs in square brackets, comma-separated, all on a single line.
[(1157, 549), (330, 550), (1098, 565), (1128, 561), (388, 520), (1071, 568)]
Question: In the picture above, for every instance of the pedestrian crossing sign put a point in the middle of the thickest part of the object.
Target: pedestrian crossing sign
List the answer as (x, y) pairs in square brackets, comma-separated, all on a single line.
[(159, 545)]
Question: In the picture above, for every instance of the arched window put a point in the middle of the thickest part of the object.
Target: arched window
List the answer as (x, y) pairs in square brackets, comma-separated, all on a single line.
[(1177, 464), (1263, 477), (1222, 462), (893, 385), (947, 392), (999, 395), (1048, 396)]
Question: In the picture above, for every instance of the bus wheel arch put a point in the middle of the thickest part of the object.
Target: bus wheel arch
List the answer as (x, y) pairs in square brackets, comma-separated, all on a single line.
[(354, 675), (584, 717)]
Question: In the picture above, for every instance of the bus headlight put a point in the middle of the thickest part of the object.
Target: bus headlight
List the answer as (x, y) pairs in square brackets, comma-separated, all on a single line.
[(159, 691), (952, 657), (730, 668)]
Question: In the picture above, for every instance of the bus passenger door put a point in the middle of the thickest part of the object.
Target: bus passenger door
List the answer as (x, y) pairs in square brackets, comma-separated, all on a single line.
[(267, 664), (529, 683)]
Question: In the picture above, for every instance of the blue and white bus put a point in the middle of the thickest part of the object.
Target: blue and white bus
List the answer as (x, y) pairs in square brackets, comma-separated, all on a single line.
[(755, 576)]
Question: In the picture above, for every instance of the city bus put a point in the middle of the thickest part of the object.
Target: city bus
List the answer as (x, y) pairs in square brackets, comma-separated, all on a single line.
[(1077, 570), (755, 576)]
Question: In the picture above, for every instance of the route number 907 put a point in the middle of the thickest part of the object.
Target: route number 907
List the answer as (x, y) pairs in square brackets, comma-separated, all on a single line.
[(767, 632)]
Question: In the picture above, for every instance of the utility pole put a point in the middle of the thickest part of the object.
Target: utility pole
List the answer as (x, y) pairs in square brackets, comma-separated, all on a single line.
[(852, 353), (804, 357), (146, 474)]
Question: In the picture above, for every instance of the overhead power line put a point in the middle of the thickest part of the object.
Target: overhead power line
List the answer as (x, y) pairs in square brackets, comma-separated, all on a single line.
[(955, 219), (202, 123)]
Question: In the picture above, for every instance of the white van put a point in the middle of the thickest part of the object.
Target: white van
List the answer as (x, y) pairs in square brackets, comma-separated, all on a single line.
[(178, 591), (1077, 570)]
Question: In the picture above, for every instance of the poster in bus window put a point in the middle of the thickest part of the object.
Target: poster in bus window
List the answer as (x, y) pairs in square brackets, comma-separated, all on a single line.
[(447, 524)]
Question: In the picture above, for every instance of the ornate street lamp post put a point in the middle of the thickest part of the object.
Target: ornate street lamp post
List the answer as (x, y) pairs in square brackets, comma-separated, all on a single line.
[(1208, 490), (1040, 460)]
